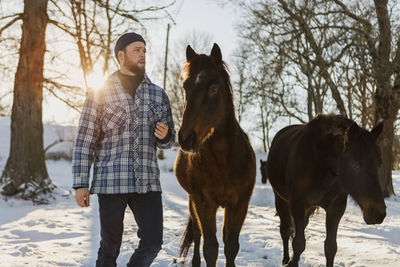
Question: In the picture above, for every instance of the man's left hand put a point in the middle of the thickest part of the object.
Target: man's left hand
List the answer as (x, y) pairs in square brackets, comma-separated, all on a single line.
[(161, 130)]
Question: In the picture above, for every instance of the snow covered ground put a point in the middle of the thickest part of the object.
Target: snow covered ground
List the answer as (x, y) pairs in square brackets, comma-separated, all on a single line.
[(63, 234)]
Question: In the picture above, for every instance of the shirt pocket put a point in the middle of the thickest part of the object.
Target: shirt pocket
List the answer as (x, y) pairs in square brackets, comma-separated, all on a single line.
[(156, 112), (114, 117)]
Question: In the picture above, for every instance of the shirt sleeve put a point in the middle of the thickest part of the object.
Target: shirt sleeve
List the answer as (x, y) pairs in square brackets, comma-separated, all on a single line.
[(165, 143), (86, 140)]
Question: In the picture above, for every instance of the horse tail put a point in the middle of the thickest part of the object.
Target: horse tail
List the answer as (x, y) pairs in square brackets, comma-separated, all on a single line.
[(187, 239)]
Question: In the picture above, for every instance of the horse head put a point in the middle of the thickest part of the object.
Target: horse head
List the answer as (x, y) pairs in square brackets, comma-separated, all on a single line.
[(356, 160), (208, 97), (359, 172)]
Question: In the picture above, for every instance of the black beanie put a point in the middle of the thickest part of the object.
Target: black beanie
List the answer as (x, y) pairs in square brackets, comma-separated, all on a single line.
[(126, 39)]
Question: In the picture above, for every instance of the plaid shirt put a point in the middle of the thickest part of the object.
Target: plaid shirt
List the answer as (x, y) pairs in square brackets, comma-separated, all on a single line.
[(120, 130)]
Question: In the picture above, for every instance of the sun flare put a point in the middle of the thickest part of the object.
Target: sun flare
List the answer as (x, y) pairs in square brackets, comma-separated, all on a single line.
[(95, 79)]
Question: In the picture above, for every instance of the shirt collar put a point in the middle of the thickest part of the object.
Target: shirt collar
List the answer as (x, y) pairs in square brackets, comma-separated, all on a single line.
[(147, 79), (121, 92)]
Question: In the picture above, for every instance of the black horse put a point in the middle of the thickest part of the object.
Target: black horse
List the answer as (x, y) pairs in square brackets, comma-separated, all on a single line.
[(216, 164), (319, 164)]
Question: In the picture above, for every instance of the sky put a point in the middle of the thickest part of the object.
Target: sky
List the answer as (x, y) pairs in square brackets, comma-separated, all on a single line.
[(208, 17)]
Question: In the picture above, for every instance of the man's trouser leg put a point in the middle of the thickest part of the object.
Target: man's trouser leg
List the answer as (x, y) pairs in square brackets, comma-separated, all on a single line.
[(147, 209), (111, 211)]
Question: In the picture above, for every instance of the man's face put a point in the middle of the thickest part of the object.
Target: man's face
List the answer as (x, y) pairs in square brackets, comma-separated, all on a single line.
[(134, 58)]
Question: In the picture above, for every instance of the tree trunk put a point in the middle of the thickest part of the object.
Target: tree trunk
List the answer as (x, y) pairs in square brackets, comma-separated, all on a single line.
[(385, 108), (263, 125), (310, 98), (25, 172)]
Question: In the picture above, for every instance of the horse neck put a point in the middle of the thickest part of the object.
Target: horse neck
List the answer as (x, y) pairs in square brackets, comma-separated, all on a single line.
[(225, 133)]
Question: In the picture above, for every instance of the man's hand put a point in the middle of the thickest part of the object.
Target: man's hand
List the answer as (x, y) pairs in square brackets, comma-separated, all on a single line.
[(161, 130), (82, 197)]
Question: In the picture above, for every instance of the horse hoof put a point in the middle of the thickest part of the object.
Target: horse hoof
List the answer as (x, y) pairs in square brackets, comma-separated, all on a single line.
[(285, 261)]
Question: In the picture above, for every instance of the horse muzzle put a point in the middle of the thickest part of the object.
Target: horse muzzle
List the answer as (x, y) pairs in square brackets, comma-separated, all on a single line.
[(188, 143), (373, 215)]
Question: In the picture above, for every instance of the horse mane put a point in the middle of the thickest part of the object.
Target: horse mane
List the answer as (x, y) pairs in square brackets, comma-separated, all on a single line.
[(334, 120)]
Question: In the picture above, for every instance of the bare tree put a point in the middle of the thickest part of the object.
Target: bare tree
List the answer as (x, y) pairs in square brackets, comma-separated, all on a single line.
[(268, 113), (82, 28), (25, 172), (240, 83), (255, 103), (10, 25)]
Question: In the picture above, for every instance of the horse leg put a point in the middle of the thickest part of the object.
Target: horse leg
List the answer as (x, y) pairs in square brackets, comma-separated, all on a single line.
[(299, 240), (233, 220), (283, 210), (196, 234), (334, 213), (207, 215), (192, 233)]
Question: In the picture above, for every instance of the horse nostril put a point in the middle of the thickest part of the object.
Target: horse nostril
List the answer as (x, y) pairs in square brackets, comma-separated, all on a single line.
[(374, 216), (381, 218)]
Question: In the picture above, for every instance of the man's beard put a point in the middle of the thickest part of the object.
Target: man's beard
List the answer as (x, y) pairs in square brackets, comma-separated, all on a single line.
[(136, 69)]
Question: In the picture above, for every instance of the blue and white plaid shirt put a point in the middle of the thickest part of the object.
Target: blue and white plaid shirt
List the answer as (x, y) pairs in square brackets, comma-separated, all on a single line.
[(120, 130)]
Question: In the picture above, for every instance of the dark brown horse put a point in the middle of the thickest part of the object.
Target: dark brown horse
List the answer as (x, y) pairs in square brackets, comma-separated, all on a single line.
[(216, 164), (319, 164)]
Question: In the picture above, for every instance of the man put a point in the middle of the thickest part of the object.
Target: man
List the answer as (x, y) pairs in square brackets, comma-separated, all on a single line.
[(120, 128)]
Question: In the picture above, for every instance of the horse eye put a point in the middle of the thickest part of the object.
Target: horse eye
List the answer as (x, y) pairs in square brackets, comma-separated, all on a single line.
[(213, 90)]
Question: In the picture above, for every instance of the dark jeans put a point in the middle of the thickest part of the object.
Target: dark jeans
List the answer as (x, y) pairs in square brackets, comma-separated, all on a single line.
[(147, 210)]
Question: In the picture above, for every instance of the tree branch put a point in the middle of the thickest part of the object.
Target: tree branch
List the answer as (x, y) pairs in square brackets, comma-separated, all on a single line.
[(57, 96), (396, 61), (53, 144), (148, 9), (366, 23), (323, 65), (10, 23), (62, 27)]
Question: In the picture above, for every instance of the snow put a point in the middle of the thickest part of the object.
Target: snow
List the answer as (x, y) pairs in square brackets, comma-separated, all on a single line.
[(63, 234)]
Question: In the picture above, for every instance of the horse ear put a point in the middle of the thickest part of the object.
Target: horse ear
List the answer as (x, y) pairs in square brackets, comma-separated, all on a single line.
[(189, 53), (216, 53), (353, 131), (377, 130)]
